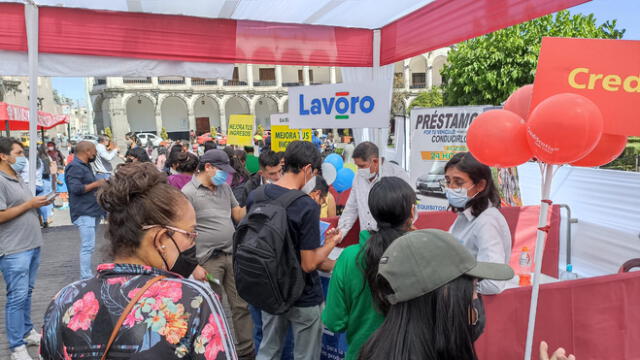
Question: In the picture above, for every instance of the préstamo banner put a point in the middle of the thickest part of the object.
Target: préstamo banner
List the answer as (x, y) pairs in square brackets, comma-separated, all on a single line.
[(436, 135), (282, 135), (240, 130), (354, 105)]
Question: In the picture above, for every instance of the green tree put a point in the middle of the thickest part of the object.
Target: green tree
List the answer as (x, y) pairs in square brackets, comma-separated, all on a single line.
[(429, 98), (487, 69), (628, 160), (164, 135)]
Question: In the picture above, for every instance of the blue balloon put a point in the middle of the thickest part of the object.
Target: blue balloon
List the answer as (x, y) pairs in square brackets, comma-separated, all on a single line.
[(335, 160), (344, 180)]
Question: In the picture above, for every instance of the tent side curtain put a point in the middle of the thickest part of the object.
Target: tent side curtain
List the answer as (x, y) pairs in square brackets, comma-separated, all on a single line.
[(18, 118), (185, 38), (444, 22)]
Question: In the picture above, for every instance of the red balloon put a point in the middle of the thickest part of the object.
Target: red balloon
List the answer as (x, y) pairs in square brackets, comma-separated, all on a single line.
[(520, 101), (564, 128), (499, 138), (607, 150)]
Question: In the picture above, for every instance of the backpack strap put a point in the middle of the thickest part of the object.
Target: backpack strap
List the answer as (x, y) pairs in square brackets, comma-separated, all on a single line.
[(289, 197)]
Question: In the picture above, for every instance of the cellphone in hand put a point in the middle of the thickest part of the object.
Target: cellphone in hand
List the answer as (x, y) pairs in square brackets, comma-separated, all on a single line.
[(52, 196)]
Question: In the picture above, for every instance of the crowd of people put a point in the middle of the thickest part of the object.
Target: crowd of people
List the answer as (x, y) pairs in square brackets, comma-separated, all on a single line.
[(215, 258)]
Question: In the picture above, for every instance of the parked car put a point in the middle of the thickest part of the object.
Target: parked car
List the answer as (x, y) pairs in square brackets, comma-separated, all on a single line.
[(430, 184), (145, 138), (220, 139)]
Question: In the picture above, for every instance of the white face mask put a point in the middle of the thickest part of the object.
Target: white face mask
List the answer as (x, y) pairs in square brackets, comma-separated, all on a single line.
[(309, 185), (366, 173)]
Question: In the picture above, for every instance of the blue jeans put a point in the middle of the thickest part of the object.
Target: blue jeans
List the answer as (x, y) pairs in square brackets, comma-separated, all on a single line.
[(44, 211), (256, 315), (87, 227), (19, 272)]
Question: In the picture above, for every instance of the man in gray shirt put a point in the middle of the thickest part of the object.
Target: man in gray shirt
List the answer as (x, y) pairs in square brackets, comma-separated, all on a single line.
[(102, 165), (20, 241), (215, 208)]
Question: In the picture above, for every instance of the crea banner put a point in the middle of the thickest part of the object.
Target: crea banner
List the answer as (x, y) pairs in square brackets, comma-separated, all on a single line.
[(240, 130), (606, 72), (436, 135), (282, 135), (354, 105)]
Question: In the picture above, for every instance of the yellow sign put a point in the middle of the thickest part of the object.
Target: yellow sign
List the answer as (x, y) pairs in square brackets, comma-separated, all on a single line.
[(240, 130), (282, 136)]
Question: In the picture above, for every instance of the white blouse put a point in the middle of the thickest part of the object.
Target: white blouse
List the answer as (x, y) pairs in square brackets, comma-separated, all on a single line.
[(488, 238)]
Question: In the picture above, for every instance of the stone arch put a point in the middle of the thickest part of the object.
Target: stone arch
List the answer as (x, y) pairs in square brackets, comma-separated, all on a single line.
[(236, 105), (264, 107), (175, 117), (418, 70), (438, 64), (206, 110), (99, 114), (141, 114)]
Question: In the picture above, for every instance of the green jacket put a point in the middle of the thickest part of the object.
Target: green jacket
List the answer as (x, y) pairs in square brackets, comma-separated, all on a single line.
[(349, 307)]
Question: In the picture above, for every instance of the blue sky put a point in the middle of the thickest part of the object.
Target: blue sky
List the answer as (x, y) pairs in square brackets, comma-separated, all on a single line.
[(627, 12)]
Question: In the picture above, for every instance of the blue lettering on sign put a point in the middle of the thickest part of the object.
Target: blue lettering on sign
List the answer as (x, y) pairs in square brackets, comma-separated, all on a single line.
[(341, 104)]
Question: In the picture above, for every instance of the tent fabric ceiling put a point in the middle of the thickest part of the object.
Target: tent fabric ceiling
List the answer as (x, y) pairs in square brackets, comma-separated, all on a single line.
[(264, 31), (367, 14)]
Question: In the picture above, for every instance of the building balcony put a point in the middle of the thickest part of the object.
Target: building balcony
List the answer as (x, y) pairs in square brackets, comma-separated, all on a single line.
[(235, 83), (136, 80), (265, 83), (99, 81), (418, 85), (171, 81), (204, 82), (292, 84)]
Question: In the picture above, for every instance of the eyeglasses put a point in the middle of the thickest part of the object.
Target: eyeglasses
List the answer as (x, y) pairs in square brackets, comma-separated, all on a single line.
[(452, 184), (192, 236)]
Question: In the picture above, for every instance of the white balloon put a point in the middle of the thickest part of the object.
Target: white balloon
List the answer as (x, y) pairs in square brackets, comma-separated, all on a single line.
[(329, 173)]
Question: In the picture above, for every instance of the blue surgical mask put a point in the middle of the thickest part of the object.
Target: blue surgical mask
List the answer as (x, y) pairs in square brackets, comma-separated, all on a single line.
[(219, 178), (20, 163), (458, 198)]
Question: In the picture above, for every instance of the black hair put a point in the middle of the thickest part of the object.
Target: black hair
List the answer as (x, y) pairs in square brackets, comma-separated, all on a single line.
[(433, 326), (162, 150), (187, 162), (138, 153), (390, 201), (136, 195), (6, 144), (300, 154), (477, 172), (268, 158), (249, 149), (210, 145), (322, 186), (173, 155), (365, 151)]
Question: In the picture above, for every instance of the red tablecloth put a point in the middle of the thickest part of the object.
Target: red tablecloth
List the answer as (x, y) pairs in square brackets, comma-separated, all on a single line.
[(594, 319), (523, 223)]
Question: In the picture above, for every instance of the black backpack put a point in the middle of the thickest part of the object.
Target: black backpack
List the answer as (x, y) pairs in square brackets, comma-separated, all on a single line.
[(265, 262)]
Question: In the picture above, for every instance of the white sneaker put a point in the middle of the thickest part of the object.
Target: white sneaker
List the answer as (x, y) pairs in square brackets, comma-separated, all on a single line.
[(33, 338), (20, 353)]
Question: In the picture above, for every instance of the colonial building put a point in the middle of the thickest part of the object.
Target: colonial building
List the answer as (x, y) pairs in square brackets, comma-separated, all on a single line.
[(180, 104)]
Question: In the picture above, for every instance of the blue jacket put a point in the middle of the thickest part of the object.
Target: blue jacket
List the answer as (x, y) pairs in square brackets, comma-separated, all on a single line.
[(81, 203)]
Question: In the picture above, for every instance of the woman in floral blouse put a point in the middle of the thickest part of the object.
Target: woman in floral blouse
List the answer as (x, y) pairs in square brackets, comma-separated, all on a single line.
[(151, 233)]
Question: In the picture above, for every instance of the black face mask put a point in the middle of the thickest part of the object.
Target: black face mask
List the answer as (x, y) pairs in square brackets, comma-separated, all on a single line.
[(478, 328), (92, 159), (186, 261)]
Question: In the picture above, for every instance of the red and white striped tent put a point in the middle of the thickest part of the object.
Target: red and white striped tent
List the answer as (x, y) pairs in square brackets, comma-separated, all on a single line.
[(204, 38)]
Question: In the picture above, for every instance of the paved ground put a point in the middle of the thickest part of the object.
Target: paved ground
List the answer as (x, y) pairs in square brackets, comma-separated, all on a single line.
[(59, 266)]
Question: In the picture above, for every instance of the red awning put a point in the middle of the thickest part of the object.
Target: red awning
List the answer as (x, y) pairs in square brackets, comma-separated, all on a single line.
[(18, 117), (64, 29)]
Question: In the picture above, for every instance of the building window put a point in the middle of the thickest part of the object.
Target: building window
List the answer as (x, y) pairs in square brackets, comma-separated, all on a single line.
[(418, 80), (267, 74), (235, 76), (301, 76)]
